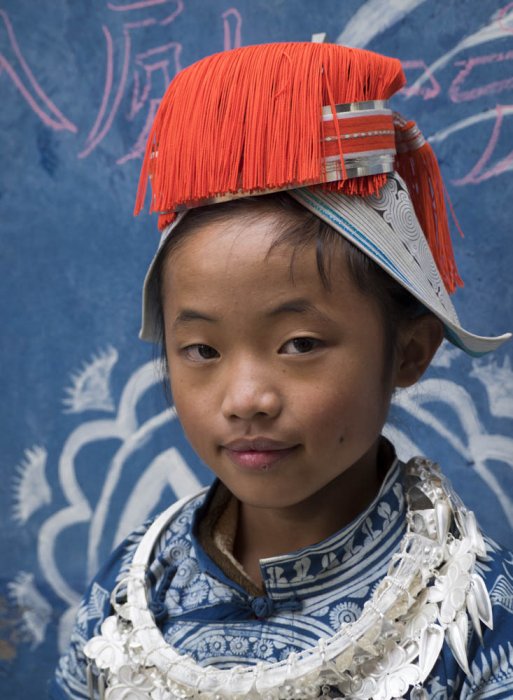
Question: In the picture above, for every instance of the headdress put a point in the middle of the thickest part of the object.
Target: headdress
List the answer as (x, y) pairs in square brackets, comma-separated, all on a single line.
[(312, 119)]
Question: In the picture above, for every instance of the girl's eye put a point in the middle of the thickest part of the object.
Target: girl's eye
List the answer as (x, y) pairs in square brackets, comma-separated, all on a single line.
[(300, 346), (200, 352)]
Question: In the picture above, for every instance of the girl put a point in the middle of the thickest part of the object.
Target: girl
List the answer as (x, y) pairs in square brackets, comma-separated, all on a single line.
[(302, 277)]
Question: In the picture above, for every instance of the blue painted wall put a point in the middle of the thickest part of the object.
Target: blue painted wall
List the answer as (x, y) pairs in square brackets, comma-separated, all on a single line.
[(88, 447)]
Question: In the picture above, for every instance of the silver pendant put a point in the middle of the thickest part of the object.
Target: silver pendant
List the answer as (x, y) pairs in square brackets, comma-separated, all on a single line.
[(442, 520), (474, 614), (431, 642), (473, 532), (484, 606), (457, 637)]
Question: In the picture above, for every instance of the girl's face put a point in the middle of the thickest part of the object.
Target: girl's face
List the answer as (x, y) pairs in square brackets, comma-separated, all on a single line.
[(278, 381)]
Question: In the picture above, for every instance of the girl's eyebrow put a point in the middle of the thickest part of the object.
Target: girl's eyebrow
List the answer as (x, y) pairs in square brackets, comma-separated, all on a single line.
[(187, 315), (297, 306), (293, 306)]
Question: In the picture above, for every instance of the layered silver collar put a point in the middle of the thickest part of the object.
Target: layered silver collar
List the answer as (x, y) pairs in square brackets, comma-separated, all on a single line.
[(429, 594)]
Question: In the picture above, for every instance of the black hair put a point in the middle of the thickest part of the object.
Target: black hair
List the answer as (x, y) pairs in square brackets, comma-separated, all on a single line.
[(298, 227)]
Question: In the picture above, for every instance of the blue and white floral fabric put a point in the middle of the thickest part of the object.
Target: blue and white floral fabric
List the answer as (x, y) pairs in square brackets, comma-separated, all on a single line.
[(308, 594)]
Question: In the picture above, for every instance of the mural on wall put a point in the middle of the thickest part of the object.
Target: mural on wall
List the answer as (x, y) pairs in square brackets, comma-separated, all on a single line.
[(137, 69), (105, 452)]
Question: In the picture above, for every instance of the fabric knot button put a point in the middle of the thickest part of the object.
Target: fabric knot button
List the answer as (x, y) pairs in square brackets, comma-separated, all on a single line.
[(262, 607), (159, 611)]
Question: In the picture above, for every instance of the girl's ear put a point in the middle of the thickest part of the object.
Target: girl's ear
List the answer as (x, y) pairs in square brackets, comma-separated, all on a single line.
[(419, 341)]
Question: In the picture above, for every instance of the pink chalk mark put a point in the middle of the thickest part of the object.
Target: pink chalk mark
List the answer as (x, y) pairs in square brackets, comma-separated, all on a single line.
[(145, 61), (150, 62), (502, 14), (145, 4), (179, 9), (479, 173), (232, 42), (458, 95), (158, 50), (140, 145), (142, 5), (59, 122), (137, 100), (427, 92), (96, 135), (150, 67), (94, 139), (107, 87), (138, 25)]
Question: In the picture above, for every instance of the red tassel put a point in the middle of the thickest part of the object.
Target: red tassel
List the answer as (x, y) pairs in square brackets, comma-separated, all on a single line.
[(219, 130), (165, 220), (418, 166)]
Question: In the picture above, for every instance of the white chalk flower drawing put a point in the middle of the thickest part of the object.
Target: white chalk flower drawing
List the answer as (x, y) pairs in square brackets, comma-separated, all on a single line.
[(129, 433), (446, 355), (498, 382), (35, 610), (90, 386), (30, 486), (472, 441)]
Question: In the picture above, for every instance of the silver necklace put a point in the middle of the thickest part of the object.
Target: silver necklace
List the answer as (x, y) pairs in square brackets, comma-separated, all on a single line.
[(429, 594)]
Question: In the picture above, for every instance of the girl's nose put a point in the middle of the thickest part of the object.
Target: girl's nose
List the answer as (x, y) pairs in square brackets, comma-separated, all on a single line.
[(249, 393)]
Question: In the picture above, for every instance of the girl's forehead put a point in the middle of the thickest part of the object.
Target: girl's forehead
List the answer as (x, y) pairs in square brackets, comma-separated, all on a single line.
[(253, 234), (240, 266), (207, 245), (225, 249), (243, 248)]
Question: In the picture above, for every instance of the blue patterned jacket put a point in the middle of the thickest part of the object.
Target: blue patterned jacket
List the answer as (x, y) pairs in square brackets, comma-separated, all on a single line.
[(204, 612)]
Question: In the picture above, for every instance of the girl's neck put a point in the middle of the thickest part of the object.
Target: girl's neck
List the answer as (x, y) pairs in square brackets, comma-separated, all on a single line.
[(268, 532)]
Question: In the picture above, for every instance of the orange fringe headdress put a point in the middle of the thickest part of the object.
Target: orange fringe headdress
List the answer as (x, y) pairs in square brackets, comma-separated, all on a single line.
[(278, 116)]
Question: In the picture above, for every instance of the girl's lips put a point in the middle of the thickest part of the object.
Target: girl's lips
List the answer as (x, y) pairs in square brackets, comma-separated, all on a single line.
[(257, 460)]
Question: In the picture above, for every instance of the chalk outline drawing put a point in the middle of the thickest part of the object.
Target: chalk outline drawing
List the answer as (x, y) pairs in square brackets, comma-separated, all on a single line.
[(481, 170), (168, 469), (90, 385), (428, 92), (499, 26), (456, 94), (373, 18), (164, 58), (232, 35), (376, 16), (145, 63), (114, 95), (36, 612), (31, 489), (26, 83)]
